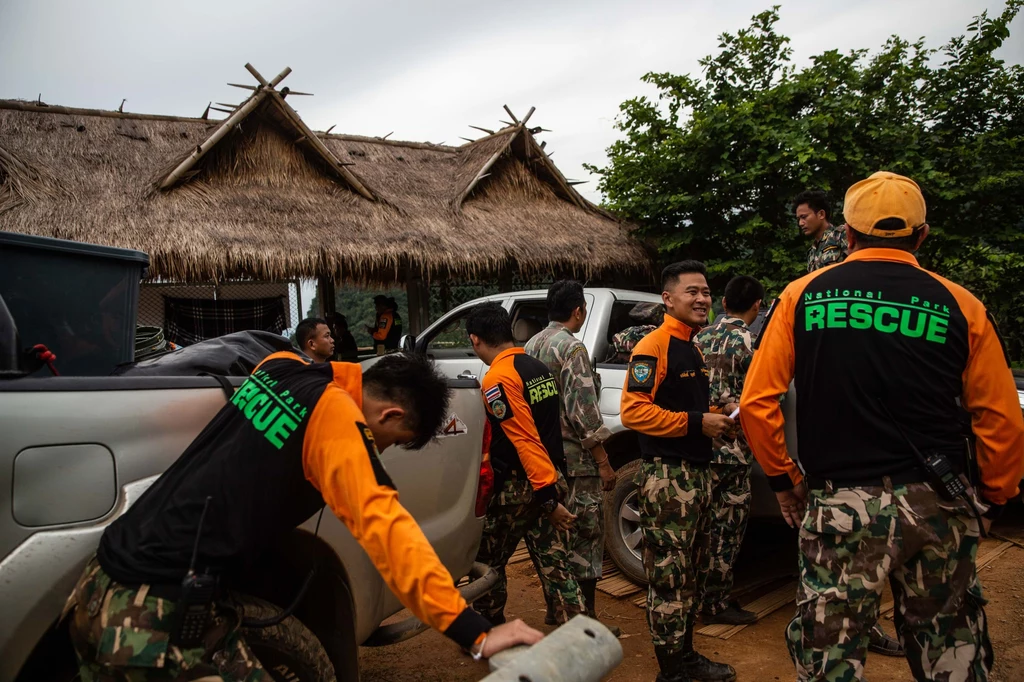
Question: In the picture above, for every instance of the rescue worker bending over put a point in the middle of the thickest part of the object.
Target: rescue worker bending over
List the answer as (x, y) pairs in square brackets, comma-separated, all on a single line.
[(294, 437), (526, 453)]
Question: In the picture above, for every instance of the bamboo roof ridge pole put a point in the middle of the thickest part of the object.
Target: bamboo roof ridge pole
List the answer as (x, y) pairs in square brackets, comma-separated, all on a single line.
[(256, 74), (320, 147), (241, 112), (528, 115), (481, 175), (510, 114)]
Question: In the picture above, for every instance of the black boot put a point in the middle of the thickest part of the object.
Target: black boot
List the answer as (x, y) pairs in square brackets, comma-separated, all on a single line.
[(699, 668), (733, 615), (589, 590), (549, 615), (670, 663), (881, 643)]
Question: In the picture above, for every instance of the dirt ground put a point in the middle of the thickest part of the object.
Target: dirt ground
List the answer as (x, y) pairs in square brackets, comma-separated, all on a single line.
[(757, 653)]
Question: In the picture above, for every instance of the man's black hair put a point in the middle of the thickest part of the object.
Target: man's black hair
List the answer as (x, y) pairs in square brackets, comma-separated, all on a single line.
[(564, 296), (815, 199), (491, 323), (307, 329), (411, 381), (742, 292), (684, 267), (870, 241)]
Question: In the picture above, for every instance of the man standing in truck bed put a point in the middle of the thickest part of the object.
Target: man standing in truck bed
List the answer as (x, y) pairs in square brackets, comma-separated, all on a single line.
[(588, 470), (526, 453), (294, 436)]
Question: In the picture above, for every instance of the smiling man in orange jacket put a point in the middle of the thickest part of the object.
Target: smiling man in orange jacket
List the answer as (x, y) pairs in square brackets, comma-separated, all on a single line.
[(884, 353)]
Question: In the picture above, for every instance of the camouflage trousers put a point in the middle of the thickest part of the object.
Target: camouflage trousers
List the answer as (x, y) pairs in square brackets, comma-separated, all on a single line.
[(586, 539), (511, 517), (674, 498), (122, 634), (852, 540), (730, 507)]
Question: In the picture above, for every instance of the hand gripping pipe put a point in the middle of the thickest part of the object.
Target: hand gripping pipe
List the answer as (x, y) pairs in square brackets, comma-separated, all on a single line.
[(582, 650)]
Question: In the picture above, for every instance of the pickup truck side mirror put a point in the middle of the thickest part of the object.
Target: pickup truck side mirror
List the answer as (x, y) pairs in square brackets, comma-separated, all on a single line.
[(12, 360), (408, 343)]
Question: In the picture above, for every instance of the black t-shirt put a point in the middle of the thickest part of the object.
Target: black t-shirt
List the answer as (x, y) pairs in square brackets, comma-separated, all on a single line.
[(248, 460)]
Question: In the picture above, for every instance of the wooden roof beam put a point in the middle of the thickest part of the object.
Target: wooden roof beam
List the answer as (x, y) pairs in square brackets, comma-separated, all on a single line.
[(222, 130)]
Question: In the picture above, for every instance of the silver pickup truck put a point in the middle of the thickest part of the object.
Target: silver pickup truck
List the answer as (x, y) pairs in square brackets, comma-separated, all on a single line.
[(75, 452), (607, 313)]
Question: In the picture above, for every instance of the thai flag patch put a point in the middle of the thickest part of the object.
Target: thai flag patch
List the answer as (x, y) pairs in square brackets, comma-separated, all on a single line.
[(493, 393)]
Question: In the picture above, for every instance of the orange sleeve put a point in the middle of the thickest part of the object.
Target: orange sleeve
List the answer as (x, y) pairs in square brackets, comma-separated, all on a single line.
[(990, 395), (340, 459), (648, 366), (384, 323), (518, 425), (770, 372)]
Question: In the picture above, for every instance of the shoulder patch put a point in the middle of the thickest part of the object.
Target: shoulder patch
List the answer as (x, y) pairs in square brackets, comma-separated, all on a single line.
[(830, 248), (379, 472), (497, 402), (642, 371)]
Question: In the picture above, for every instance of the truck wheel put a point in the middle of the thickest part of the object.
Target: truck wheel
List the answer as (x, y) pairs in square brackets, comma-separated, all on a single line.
[(288, 650), (622, 525)]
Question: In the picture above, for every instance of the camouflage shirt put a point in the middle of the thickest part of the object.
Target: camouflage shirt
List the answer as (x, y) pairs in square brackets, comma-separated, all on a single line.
[(624, 342), (580, 390), (728, 349), (830, 248)]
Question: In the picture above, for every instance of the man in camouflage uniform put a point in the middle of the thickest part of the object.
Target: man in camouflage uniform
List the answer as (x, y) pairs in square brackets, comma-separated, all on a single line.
[(881, 351), (728, 349), (588, 470), (665, 401), (812, 215), (523, 406), (648, 317)]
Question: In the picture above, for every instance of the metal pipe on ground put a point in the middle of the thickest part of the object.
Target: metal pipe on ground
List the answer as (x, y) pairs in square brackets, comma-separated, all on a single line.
[(582, 650)]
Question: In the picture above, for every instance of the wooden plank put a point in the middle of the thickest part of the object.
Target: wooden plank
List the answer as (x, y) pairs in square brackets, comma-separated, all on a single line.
[(994, 554), (763, 606), (520, 555)]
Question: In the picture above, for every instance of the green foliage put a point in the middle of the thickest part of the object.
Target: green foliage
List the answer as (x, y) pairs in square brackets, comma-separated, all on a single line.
[(707, 169)]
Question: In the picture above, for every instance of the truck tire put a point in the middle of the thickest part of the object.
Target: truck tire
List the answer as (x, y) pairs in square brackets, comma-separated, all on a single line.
[(288, 650), (622, 525)]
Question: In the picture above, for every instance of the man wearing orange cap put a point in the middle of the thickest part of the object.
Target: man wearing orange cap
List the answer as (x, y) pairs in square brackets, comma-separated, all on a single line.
[(881, 351)]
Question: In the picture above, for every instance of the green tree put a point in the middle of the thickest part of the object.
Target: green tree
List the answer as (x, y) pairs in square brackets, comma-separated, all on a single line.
[(708, 167)]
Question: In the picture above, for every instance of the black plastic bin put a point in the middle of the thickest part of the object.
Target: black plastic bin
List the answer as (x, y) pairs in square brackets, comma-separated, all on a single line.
[(80, 300)]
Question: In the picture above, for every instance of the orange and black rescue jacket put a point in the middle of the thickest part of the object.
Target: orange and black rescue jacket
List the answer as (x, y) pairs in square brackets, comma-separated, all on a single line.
[(292, 438), (523, 408), (666, 395), (389, 330), (873, 336)]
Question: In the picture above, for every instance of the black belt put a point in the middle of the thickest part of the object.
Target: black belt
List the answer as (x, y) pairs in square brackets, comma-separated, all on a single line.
[(902, 478)]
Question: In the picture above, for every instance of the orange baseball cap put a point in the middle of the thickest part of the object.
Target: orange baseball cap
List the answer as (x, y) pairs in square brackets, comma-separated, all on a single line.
[(884, 195)]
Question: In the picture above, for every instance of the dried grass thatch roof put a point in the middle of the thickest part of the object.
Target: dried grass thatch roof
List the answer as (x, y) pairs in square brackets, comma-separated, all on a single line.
[(258, 195)]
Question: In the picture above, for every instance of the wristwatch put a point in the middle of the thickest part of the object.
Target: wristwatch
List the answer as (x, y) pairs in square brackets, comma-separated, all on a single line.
[(477, 650), (549, 506)]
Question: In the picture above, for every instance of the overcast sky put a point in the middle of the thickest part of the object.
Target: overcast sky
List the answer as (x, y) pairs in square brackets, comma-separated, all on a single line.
[(422, 70)]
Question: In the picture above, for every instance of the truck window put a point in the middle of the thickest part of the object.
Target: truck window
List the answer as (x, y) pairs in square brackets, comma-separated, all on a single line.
[(451, 339), (617, 321), (528, 318)]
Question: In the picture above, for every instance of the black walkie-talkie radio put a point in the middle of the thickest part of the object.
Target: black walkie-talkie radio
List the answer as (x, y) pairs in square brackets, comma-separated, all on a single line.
[(195, 605)]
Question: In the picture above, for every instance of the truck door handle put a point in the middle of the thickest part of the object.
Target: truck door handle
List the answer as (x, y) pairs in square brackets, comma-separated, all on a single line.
[(467, 374)]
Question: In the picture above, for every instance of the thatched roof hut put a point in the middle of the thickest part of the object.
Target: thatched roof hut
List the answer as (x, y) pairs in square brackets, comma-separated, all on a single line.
[(258, 195)]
